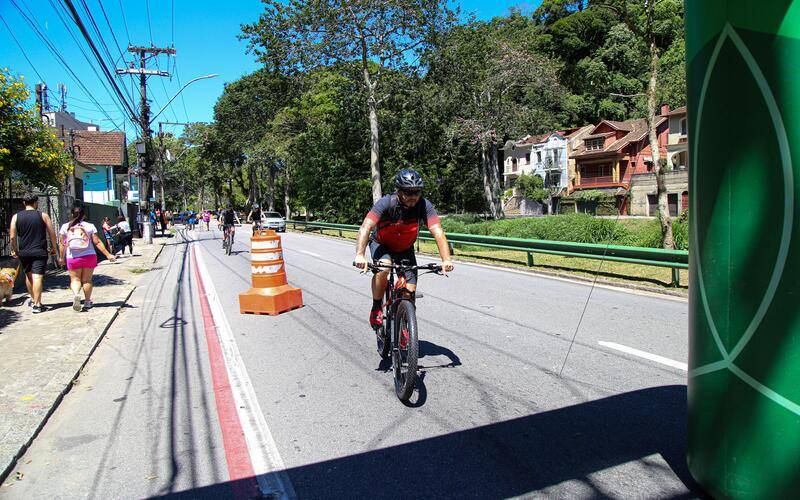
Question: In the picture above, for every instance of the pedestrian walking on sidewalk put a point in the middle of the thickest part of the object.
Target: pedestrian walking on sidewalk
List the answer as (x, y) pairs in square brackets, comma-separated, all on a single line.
[(29, 232), (125, 234), (78, 240)]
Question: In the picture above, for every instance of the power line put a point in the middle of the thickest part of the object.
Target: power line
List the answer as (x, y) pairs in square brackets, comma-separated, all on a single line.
[(103, 66), (125, 21), (113, 35), (102, 40), (149, 24), (80, 47), (20, 48), (175, 67), (58, 57)]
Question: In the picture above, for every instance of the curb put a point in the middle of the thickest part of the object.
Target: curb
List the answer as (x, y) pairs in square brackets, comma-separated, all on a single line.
[(550, 274)]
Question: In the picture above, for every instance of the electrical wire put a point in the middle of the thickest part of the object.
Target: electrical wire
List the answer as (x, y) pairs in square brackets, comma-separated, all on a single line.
[(79, 45), (22, 50), (149, 24), (103, 66), (59, 58), (124, 21)]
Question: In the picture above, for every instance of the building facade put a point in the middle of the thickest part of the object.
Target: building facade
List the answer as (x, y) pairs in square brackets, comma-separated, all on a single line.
[(611, 154)]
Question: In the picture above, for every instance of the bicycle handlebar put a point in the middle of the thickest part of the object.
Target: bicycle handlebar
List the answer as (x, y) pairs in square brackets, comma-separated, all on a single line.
[(399, 268)]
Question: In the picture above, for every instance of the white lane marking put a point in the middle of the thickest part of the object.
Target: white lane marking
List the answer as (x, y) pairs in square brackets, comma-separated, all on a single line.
[(267, 462), (645, 355), (309, 253)]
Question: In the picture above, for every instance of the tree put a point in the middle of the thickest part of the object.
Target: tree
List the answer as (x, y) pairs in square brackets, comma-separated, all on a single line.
[(657, 23), (500, 90), (27, 146), (378, 36)]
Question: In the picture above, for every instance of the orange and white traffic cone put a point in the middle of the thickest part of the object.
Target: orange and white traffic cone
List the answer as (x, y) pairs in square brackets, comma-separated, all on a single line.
[(270, 293)]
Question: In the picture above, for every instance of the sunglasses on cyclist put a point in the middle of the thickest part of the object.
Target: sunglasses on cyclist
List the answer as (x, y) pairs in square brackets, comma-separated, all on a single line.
[(411, 192)]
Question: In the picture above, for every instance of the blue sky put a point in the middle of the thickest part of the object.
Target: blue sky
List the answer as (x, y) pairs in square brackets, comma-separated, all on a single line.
[(202, 31)]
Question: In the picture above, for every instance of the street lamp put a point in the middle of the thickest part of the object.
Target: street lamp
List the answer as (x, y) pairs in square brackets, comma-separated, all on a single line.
[(181, 90)]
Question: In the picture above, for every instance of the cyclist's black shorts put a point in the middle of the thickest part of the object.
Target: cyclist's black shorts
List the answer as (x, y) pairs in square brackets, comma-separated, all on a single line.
[(381, 252), (225, 227)]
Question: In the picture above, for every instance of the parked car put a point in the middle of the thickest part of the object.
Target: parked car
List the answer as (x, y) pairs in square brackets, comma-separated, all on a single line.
[(273, 220)]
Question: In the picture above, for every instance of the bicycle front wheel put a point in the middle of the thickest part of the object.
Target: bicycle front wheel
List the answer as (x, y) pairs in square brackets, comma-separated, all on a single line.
[(405, 350)]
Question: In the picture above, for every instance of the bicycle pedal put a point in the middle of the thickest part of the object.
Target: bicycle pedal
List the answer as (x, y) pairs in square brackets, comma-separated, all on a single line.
[(419, 295)]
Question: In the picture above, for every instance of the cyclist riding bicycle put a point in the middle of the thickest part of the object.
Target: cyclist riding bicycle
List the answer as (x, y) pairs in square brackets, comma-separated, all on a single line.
[(391, 228), (255, 217), (227, 217)]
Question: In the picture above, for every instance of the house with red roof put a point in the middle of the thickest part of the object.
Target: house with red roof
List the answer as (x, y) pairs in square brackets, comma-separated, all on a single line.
[(607, 158), (101, 165), (644, 194)]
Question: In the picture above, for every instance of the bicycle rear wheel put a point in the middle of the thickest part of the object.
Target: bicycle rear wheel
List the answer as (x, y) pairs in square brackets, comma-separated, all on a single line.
[(230, 244), (405, 350)]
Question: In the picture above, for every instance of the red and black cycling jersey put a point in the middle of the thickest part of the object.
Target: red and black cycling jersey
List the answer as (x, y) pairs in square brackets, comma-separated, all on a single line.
[(397, 226)]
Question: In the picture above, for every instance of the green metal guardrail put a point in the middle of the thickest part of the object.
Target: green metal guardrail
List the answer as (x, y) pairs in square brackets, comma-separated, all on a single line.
[(675, 259)]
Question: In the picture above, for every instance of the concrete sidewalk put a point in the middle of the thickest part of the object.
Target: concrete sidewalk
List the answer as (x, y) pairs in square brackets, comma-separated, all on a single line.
[(42, 354)]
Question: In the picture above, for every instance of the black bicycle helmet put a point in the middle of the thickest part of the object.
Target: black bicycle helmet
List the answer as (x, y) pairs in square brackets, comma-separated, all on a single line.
[(408, 178)]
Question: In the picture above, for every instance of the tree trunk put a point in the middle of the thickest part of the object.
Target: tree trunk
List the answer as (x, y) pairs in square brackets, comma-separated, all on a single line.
[(374, 157), (252, 196), (491, 180), (494, 175), (271, 186), (161, 185), (667, 240)]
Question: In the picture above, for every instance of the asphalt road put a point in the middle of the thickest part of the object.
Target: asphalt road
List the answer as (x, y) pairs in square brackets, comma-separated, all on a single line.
[(492, 417)]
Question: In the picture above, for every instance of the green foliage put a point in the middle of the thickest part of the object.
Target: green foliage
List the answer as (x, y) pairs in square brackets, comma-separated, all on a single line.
[(587, 195), (28, 148), (532, 187), (580, 228), (304, 117)]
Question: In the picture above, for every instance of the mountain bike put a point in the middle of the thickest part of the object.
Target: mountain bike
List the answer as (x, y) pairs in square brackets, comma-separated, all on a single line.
[(227, 240), (398, 336)]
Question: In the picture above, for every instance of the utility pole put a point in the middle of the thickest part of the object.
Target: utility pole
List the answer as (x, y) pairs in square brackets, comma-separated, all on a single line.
[(145, 179)]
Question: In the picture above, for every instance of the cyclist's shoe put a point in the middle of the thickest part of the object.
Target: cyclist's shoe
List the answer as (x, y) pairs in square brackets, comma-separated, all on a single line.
[(376, 319)]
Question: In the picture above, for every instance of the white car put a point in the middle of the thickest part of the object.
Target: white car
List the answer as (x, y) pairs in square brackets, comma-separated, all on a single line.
[(273, 220)]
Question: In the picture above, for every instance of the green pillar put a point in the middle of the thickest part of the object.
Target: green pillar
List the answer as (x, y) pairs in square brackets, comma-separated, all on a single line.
[(743, 74)]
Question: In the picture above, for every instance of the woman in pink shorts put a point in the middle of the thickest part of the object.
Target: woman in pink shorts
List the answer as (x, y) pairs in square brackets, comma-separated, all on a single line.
[(78, 240)]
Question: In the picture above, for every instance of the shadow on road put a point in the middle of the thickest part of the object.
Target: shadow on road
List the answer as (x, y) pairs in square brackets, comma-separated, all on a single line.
[(7, 317), (515, 457)]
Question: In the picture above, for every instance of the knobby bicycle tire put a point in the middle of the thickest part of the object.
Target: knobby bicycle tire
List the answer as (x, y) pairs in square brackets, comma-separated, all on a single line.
[(404, 383)]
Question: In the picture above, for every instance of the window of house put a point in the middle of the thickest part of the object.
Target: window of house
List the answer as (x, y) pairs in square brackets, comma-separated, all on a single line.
[(594, 144), (539, 157), (596, 171), (514, 164), (557, 158), (683, 126), (527, 158)]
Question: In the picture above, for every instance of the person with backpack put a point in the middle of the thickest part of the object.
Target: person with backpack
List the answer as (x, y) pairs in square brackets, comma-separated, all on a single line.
[(78, 240)]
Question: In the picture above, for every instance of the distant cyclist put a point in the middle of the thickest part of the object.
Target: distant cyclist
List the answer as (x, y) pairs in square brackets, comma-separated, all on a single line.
[(228, 219), (255, 217), (391, 228)]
